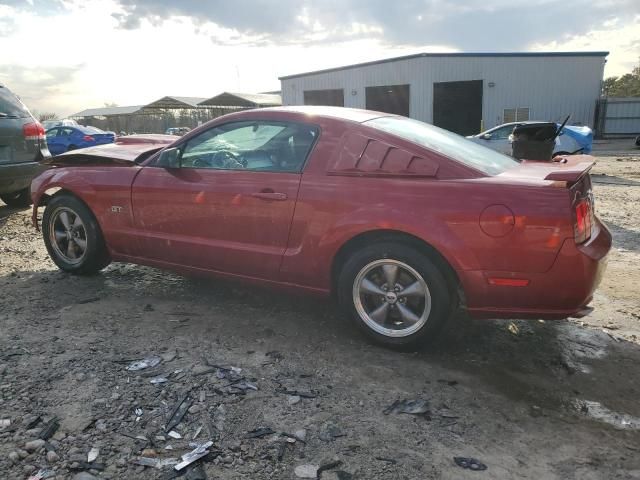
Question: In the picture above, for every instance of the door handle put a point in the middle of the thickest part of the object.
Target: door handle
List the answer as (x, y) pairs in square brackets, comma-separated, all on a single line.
[(269, 194)]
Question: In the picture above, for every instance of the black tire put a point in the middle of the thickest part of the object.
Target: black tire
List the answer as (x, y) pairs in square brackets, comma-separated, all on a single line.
[(18, 199), (95, 256), (440, 296)]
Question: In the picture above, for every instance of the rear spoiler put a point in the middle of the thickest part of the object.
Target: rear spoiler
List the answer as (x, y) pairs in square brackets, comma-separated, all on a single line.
[(568, 169)]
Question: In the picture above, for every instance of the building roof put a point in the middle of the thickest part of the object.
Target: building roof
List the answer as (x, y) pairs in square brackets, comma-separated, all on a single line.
[(231, 99), (453, 54), (107, 111), (176, 102)]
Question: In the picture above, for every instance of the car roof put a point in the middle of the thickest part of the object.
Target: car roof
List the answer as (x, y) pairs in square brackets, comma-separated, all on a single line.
[(342, 113)]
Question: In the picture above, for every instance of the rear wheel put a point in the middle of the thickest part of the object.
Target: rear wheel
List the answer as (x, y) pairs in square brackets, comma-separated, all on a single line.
[(73, 237), (18, 199), (395, 294)]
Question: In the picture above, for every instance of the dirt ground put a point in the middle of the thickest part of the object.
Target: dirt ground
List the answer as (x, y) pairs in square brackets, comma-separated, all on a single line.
[(530, 399)]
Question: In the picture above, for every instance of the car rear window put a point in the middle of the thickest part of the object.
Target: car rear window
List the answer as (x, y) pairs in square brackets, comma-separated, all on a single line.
[(447, 143), (10, 105)]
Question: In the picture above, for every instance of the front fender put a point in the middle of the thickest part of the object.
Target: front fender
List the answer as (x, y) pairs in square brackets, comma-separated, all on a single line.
[(60, 178)]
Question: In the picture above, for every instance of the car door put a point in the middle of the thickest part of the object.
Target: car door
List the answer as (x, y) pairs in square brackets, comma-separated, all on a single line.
[(499, 139), (228, 207), (54, 142)]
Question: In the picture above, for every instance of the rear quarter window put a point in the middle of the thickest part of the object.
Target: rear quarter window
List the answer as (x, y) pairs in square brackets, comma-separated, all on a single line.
[(447, 143), (10, 105)]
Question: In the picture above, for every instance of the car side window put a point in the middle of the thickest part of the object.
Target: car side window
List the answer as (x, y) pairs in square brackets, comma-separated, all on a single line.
[(502, 133), (66, 132), (263, 145), (52, 133)]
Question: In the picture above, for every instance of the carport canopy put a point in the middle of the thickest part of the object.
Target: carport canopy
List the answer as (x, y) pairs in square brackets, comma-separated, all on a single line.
[(243, 100), (170, 103)]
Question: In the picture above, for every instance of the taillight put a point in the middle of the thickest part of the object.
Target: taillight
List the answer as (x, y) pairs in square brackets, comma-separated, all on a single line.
[(582, 228), (33, 131), (88, 138)]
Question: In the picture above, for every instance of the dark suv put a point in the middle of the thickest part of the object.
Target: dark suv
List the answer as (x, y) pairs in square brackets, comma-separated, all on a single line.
[(22, 145)]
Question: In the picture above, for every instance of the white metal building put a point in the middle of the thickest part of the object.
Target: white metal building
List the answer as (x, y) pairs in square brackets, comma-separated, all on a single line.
[(463, 92)]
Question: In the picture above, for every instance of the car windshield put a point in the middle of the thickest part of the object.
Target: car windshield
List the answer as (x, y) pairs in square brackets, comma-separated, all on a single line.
[(447, 143), (10, 105)]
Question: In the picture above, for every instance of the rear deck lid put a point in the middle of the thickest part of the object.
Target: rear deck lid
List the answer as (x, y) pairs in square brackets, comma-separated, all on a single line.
[(569, 169)]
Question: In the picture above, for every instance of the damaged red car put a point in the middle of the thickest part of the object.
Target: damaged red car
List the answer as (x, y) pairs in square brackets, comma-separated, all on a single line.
[(402, 221)]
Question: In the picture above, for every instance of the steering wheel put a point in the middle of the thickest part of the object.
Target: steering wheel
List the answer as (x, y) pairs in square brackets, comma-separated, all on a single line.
[(227, 159)]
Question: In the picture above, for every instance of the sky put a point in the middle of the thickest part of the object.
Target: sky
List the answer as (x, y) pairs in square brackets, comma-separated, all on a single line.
[(63, 56)]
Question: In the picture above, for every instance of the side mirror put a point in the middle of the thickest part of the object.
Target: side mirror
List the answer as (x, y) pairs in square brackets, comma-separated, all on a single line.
[(486, 136), (169, 158)]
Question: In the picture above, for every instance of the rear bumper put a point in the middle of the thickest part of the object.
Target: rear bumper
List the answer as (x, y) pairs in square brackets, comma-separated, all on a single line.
[(563, 291), (17, 176)]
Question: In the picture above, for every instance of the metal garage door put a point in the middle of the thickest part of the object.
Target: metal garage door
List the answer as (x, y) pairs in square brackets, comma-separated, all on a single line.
[(457, 106), (389, 99)]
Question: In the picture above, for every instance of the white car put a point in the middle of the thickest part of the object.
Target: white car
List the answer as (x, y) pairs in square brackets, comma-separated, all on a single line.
[(572, 139)]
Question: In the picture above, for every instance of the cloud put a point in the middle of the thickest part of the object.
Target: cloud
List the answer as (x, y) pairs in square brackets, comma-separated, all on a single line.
[(467, 24), (33, 84)]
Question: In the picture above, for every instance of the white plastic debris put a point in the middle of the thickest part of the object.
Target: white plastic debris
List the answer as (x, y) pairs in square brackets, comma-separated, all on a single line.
[(194, 455), (93, 454), (147, 362), (174, 434), (158, 380), (5, 423)]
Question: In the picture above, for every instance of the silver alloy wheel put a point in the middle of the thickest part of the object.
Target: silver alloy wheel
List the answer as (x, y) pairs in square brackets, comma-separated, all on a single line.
[(67, 235), (392, 298)]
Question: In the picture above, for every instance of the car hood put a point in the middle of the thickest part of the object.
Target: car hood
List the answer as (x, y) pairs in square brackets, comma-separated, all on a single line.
[(125, 151)]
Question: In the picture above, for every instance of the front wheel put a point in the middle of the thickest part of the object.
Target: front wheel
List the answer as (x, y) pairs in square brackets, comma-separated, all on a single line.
[(18, 199), (395, 294), (73, 237)]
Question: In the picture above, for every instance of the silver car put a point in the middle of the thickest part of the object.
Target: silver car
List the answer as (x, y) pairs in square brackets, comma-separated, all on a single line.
[(572, 139)]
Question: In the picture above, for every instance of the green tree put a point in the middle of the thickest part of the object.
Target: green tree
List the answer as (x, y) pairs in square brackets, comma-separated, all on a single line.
[(628, 85)]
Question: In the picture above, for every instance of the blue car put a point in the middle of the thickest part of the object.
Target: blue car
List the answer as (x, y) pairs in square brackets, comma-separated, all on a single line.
[(64, 138)]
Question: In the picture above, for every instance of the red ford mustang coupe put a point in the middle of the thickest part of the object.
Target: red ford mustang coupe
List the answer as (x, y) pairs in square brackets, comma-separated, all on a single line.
[(403, 221)]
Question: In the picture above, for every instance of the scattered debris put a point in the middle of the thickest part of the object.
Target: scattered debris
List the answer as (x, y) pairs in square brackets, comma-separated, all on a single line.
[(4, 423), (293, 399), (158, 380), (93, 454), (50, 428), (300, 435), (307, 471), (175, 435), (42, 474), (469, 463), (194, 455), (411, 407), (147, 362), (158, 463), (259, 432), (179, 411)]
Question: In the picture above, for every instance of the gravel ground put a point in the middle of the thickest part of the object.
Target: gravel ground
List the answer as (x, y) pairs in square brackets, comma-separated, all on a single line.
[(552, 400)]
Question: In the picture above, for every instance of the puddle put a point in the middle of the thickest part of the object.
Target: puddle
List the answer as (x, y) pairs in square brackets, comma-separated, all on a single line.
[(579, 344), (599, 412)]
